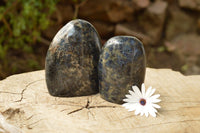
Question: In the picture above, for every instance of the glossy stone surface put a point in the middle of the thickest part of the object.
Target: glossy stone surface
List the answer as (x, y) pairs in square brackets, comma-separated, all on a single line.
[(122, 64), (72, 60)]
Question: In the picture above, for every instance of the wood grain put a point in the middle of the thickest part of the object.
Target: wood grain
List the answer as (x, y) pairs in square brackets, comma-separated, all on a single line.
[(26, 103)]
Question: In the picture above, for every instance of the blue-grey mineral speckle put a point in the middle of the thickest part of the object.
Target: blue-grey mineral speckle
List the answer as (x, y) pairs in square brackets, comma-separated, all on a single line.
[(122, 64), (72, 60)]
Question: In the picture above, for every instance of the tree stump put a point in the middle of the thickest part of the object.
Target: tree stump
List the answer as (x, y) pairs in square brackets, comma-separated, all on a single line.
[(26, 103)]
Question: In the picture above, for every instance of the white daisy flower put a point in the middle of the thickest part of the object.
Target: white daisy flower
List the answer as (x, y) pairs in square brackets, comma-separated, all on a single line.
[(142, 102)]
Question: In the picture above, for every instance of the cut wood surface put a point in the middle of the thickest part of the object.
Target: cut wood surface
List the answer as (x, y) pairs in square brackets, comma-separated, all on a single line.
[(26, 103)]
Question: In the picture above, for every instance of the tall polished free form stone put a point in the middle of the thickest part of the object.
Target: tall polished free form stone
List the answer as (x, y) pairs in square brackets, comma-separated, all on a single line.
[(72, 60), (122, 64)]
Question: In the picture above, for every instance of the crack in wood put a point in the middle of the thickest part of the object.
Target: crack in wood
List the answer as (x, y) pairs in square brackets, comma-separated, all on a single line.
[(30, 117), (74, 111), (34, 123), (9, 92), (87, 106), (90, 112), (26, 87), (102, 107), (67, 105)]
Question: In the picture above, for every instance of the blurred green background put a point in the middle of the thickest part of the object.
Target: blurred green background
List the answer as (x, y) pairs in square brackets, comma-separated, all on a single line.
[(169, 29)]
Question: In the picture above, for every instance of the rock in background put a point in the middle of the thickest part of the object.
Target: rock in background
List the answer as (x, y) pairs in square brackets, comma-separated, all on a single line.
[(170, 30)]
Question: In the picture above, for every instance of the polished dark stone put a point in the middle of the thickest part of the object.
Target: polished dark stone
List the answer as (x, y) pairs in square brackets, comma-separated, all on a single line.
[(122, 64), (72, 60)]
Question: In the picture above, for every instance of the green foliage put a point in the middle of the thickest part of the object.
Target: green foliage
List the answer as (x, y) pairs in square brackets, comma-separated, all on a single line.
[(33, 64), (161, 49), (21, 22), (78, 1), (184, 68)]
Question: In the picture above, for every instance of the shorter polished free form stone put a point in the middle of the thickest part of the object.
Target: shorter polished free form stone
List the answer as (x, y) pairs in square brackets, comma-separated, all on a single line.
[(72, 60), (122, 64)]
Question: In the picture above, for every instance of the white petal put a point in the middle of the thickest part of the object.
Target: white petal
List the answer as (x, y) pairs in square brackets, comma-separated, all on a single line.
[(148, 92), (138, 108), (126, 105), (151, 93), (130, 100), (132, 108), (143, 90), (151, 112), (156, 106), (154, 109), (137, 112), (155, 96), (131, 92), (146, 109), (142, 113), (128, 96), (126, 100), (146, 113), (155, 100), (137, 91), (135, 97)]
